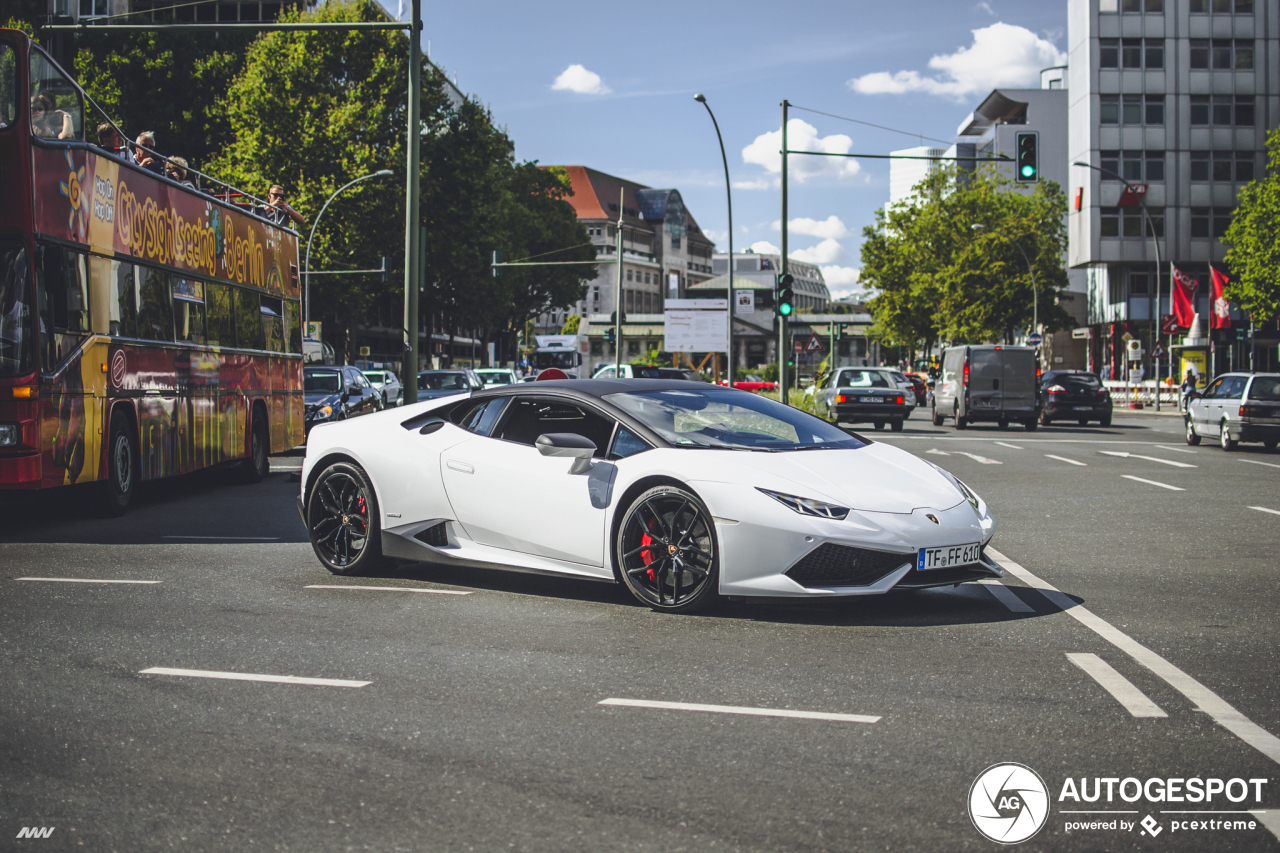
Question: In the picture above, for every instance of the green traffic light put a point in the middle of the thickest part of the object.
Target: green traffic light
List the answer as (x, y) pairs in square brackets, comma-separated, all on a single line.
[(1028, 171), (784, 309)]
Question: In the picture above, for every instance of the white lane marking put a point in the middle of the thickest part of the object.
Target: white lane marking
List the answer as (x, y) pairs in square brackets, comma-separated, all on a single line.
[(1258, 508), (1256, 462), (735, 709), (936, 452), (1006, 596), (1202, 697), (1154, 483), (79, 580), (1270, 818), (1121, 688), (982, 459), (386, 588), (1175, 449), (1065, 459), (232, 538), (249, 676), (1010, 446), (1126, 455)]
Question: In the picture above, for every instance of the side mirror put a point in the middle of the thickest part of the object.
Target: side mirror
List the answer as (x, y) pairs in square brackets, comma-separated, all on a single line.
[(568, 444)]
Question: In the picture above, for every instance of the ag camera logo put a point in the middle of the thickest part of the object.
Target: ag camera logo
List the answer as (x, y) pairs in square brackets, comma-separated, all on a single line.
[(1008, 803)]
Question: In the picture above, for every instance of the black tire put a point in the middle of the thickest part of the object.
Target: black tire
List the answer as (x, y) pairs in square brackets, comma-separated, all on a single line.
[(666, 551), (1002, 424), (1225, 441), (343, 520), (1106, 420), (878, 424), (123, 471), (937, 418), (1030, 424), (1045, 420), (255, 468), (1083, 421), (1269, 446), (961, 422), (896, 424), (1192, 438)]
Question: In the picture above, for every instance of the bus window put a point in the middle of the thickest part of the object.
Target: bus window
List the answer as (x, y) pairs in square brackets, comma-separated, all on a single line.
[(124, 304), (63, 303), (8, 86), (248, 320), (155, 317), (57, 111), (292, 327), (188, 310), (273, 324), (16, 340), (220, 327)]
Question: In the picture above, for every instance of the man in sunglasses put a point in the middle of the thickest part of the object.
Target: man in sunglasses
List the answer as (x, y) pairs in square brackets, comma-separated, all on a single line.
[(277, 210)]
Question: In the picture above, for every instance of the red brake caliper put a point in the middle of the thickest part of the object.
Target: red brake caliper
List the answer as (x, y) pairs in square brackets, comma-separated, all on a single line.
[(360, 506), (647, 554)]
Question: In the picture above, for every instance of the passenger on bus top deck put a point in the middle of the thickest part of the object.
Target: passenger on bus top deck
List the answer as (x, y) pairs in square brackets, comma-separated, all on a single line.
[(110, 140), (47, 122), (277, 210), (176, 169), (144, 158)]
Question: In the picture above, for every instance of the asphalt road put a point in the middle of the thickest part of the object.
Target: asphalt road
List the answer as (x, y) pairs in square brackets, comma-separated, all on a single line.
[(479, 724)]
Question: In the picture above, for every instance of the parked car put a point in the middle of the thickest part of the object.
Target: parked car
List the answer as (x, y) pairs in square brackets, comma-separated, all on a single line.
[(752, 383), (629, 371), (335, 394), (863, 395), (988, 383), (681, 373), (1074, 395), (497, 376), (1236, 407), (442, 383), (388, 384)]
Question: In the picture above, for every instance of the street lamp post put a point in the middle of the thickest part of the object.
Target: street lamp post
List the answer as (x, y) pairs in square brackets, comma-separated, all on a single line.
[(728, 192), (1155, 245), (1035, 290), (306, 267)]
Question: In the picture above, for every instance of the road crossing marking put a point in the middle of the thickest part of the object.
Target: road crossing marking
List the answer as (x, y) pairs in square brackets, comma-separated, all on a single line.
[(735, 709), (1005, 596), (1123, 690), (1202, 697), (1174, 449), (249, 676), (1256, 462), (1068, 461), (1154, 483), (936, 452), (386, 588), (1258, 508), (980, 459), (1127, 455), (80, 580), (1010, 446)]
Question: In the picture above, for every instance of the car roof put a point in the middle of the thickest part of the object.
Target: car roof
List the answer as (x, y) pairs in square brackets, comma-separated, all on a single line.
[(597, 387), (314, 368)]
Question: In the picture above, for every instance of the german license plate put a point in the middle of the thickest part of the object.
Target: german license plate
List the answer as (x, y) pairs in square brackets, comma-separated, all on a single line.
[(1082, 408), (870, 400), (945, 558)]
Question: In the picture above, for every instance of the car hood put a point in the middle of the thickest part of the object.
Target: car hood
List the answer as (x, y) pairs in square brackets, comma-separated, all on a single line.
[(875, 478), (321, 398), (431, 394)]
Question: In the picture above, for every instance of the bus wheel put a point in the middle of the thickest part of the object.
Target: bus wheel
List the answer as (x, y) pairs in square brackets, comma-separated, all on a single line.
[(122, 467), (257, 466)]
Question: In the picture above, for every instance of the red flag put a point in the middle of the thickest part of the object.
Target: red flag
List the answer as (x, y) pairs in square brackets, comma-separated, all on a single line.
[(1184, 295), (1220, 308)]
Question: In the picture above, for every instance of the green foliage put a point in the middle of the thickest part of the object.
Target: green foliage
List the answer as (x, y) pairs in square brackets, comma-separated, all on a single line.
[(20, 24), (1254, 242), (571, 324), (937, 278), (769, 373)]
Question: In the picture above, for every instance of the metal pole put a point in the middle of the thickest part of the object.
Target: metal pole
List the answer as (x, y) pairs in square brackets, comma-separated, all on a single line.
[(306, 266), (412, 249), (617, 295), (728, 192), (782, 321)]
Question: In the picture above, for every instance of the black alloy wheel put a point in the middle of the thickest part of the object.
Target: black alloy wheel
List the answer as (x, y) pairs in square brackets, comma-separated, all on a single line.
[(666, 551), (122, 467), (1192, 438), (342, 520)]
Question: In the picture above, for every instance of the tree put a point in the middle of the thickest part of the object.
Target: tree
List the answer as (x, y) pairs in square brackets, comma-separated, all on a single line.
[(1253, 238), (571, 325)]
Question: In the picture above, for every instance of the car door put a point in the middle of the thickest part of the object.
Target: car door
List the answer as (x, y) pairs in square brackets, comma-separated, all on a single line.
[(1202, 409), (1228, 400), (986, 370), (1018, 382), (506, 494)]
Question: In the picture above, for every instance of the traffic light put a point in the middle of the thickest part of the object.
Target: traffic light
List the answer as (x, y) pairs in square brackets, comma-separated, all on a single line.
[(497, 259), (786, 300), (608, 335), (1028, 165), (613, 318)]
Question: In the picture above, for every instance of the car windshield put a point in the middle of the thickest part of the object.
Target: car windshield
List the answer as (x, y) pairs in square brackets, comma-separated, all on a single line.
[(561, 359), (326, 382), (497, 377), (862, 379), (751, 377), (442, 382), (736, 420), (1265, 388)]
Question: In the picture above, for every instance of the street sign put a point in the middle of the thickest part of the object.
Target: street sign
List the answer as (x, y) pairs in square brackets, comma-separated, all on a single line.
[(1158, 352), (744, 302), (313, 330), (1168, 324), (1035, 338), (799, 346), (815, 343), (696, 325), (364, 352)]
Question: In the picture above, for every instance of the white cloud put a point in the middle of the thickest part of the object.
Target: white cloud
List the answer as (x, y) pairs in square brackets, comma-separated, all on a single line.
[(984, 6), (831, 227), (756, 184), (841, 281), (764, 247), (827, 252), (802, 136), (715, 236), (578, 79), (1001, 55)]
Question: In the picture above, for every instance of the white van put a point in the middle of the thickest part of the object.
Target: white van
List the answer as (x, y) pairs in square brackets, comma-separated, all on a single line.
[(987, 383)]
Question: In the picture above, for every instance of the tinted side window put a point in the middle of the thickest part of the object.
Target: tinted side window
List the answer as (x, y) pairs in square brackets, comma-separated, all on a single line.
[(292, 327), (188, 310), (272, 323), (627, 443), (219, 320), (124, 302), (1233, 387), (1212, 390), (155, 317), (527, 419), (62, 302), (248, 320), (480, 417)]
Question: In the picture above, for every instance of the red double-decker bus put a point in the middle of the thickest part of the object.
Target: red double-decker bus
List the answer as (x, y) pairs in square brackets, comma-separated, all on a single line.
[(146, 329)]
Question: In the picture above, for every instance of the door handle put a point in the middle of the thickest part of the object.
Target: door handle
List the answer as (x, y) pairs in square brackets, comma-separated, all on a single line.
[(460, 466)]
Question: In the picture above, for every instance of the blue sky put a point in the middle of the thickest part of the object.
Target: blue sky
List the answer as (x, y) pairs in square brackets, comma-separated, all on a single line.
[(611, 87)]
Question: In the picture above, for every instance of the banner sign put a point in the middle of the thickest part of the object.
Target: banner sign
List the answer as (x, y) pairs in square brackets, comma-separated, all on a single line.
[(120, 210)]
